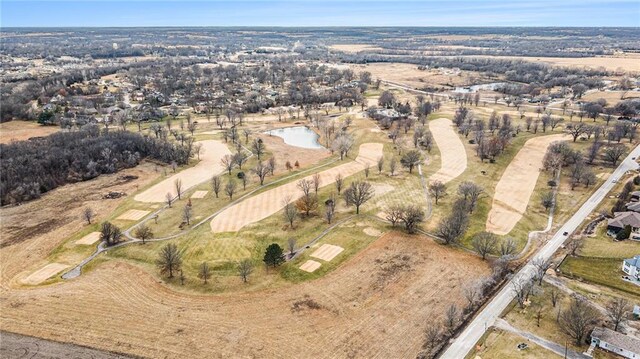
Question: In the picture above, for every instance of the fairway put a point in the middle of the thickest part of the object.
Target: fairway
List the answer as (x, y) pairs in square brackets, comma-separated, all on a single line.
[(516, 185), (209, 165), (269, 202), (452, 152)]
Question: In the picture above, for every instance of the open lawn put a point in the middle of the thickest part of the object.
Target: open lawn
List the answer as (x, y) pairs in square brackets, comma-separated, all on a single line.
[(502, 344), (603, 271)]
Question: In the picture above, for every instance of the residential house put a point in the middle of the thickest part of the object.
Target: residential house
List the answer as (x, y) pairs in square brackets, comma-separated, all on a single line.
[(631, 266), (633, 206), (623, 219), (623, 345), (635, 196)]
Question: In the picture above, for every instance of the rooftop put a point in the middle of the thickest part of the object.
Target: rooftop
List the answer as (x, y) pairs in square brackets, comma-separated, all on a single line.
[(621, 219), (619, 340)]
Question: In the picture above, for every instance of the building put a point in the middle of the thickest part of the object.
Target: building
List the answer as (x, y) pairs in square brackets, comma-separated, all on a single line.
[(631, 266), (633, 206), (623, 219), (636, 312), (623, 345)]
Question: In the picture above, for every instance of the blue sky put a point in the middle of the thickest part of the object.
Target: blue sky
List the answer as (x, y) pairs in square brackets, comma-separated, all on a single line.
[(51, 13)]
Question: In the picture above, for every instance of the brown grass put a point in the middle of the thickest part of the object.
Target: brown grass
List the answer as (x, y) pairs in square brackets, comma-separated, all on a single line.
[(376, 305), (23, 130), (32, 230)]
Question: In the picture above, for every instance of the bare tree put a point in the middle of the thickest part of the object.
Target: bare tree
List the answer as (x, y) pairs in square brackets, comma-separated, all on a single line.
[(177, 183), (261, 170), (258, 147), (305, 186), (547, 200), (576, 129), (245, 268), (484, 243), (88, 214), (522, 288), (437, 189), (394, 214), (618, 310), (411, 159), (187, 213), (230, 188), (143, 232), (169, 260), (316, 182), (471, 293), (358, 193), (574, 245), (169, 199), (471, 193), (578, 319), (197, 149), (452, 227), (393, 164), (228, 162), (216, 183), (541, 265), (291, 245), (290, 211), (507, 247), (555, 296), (411, 216), (205, 272), (339, 182), (380, 164), (613, 153), (452, 318), (367, 168), (330, 208)]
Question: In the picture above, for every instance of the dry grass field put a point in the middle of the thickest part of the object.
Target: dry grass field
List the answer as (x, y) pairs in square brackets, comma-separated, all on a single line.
[(353, 48), (627, 62), (325, 318), (23, 130), (31, 231), (409, 75), (453, 156), (516, 185)]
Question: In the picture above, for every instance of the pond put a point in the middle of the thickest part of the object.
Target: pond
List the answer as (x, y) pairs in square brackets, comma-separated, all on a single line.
[(299, 136)]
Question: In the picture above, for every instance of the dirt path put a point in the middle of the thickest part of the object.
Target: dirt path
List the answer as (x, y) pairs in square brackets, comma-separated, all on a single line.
[(209, 165), (452, 154), (22, 346), (516, 185), (547, 344), (267, 203)]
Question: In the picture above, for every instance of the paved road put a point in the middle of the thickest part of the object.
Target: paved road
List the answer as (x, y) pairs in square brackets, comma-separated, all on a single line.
[(547, 344), (487, 317)]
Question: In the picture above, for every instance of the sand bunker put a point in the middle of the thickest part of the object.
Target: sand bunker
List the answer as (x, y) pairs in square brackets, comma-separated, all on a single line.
[(89, 239), (199, 194), (209, 165), (370, 231), (327, 252), (44, 273), (133, 215), (452, 154), (516, 185), (310, 266), (269, 202)]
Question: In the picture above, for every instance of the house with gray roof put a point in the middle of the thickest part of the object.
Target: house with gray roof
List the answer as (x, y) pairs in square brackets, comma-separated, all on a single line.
[(623, 219), (631, 266), (620, 344), (633, 207)]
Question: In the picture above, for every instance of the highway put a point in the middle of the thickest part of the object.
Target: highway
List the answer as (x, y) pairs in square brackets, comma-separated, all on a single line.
[(486, 318)]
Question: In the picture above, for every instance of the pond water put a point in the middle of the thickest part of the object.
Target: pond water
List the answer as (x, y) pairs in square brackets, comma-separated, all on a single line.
[(299, 136)]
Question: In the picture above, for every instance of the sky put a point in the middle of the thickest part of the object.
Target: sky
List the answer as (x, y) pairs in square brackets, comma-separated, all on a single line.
[(123, 13)]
